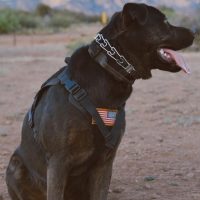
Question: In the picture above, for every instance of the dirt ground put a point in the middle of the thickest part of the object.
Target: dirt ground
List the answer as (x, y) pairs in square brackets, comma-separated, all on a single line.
[(159, 157)]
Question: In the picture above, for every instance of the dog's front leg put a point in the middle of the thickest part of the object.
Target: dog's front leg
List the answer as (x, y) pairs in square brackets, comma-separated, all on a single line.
[(57, 173), (100, 180)]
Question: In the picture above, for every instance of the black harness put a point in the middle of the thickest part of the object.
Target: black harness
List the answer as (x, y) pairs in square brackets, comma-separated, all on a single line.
[(80, 99), (98, 50)]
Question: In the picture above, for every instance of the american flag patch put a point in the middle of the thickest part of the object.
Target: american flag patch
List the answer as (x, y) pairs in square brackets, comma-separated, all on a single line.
[(108, 116)]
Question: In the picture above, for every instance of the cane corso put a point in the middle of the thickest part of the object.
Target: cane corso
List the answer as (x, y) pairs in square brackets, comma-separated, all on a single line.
[(66, 156)]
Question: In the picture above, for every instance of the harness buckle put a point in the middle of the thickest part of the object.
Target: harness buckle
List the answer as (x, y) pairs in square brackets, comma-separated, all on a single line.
[(77, 92), (80, 94), (74, 89)]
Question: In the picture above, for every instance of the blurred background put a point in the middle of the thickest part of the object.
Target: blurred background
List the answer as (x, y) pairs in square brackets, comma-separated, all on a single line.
[(159, 155), (51, 16)]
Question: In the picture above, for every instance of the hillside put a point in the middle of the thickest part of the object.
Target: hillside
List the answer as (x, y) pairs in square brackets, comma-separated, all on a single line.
[(97, 6)]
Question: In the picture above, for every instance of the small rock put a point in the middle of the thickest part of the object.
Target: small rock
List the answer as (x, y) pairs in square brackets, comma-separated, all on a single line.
[(178, 174), (110, 191), (3, 135), (8, 122), (118, 190), (161, 140), (190, 175), (3, 131), (165, 169), (149, 178), (155, 196), (173, 184), (147, 186)]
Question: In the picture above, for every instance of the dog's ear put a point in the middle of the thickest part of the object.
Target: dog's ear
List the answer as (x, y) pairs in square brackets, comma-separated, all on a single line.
[(133, 12)]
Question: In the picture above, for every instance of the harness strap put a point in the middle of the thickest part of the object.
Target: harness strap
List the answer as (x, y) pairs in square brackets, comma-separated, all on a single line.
[(80, 96), (49, 82)]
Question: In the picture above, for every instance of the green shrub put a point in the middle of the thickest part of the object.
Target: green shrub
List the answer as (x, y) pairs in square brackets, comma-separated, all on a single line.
[(43, 9), (8, 21), (28, 20), (43, 18), (86, 18), (58, 20)]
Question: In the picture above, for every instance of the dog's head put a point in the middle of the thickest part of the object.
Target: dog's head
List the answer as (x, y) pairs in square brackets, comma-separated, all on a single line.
[(145, 37)]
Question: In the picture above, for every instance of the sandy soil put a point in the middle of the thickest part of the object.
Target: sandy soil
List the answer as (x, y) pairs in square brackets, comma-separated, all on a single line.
[(159, 157)]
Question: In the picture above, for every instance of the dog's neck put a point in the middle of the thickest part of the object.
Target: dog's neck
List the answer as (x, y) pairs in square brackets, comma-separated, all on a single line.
[(111, 60), (102, 87)]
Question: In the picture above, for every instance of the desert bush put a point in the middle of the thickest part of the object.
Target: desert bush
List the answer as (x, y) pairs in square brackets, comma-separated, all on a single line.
[(29, 20), (42, 18), (81, 17), (8, 21), (43, 9), (61, 20), (64, 18)]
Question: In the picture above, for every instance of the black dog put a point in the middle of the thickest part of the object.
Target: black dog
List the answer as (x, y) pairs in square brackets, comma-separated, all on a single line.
[(66, 156)]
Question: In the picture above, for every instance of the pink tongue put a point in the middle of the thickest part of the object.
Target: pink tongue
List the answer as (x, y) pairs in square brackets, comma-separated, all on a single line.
[(179, 60)]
